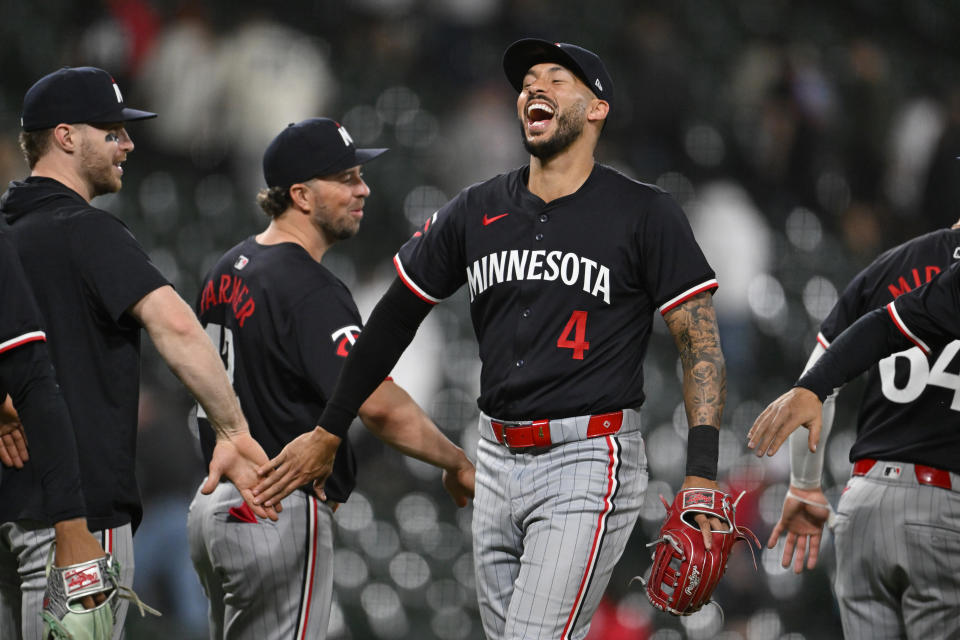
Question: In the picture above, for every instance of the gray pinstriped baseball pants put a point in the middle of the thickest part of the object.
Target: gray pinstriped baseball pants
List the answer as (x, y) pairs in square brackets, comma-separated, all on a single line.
[(265, 580), (23, 562), (898, 557), (548, 528)]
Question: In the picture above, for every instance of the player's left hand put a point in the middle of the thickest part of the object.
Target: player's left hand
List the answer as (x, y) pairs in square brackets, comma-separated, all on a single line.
[(13, 441), (307, 458), (798, 407), (237, 458), (707, 525), (803, 523), (459, 482), (76, 545)]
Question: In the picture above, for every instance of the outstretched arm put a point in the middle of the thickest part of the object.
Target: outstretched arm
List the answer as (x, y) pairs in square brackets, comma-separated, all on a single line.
[(390, 329), (805, 508), (392, 415), (191, 356), (863, 343), (694, 328)]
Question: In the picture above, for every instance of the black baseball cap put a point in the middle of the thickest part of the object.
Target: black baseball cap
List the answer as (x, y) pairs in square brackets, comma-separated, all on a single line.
[(523, 54), (73, 95), (309, 149)]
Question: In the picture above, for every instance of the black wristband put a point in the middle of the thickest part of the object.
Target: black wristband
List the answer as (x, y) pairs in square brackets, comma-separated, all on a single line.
[(703, 449)]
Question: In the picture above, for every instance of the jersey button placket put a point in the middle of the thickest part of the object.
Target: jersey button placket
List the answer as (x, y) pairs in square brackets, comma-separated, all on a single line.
[(542, 218)]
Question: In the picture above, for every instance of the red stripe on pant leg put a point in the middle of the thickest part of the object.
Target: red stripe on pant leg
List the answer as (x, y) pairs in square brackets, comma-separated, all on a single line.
[(108, 541), (597, 536), (311, 566)]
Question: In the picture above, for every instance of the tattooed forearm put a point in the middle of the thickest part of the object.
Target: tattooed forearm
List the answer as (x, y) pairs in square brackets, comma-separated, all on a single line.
[(694, 328)]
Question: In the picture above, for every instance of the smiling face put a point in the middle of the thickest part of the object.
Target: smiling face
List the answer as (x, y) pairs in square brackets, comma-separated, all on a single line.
[(338, 206), (552, 108), (102, 151)]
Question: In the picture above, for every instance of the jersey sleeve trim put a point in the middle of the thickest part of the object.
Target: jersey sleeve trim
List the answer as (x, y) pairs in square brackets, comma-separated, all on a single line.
[(822, 339), (676, 301), (420, 293), (912, 337), (32, 336)]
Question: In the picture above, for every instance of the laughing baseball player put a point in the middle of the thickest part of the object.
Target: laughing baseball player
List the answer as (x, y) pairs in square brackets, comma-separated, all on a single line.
[(896, 531), (566, 261)]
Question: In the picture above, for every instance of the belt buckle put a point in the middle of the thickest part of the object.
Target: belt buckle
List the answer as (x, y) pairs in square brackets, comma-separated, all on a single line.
[(524, 435), (510, 433)]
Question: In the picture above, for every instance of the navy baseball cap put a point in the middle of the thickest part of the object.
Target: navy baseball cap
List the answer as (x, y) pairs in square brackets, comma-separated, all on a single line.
[(309, 149), (72, 95), (586, 65)]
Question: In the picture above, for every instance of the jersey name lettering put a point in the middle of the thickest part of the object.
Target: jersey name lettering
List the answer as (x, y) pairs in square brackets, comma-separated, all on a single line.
[(904, 286), (232, 291), (571, 269)]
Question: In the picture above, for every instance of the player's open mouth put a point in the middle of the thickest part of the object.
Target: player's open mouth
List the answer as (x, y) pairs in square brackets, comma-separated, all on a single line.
[(539, 115), (119, 167)]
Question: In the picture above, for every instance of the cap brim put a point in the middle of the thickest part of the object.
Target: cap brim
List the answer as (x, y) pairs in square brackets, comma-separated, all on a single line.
[(523, 54), (136, 114), (126, 115), (366, 155)]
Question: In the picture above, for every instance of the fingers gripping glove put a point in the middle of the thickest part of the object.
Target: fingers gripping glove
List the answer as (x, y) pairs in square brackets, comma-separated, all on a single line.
[(684, 572), (64, 617)]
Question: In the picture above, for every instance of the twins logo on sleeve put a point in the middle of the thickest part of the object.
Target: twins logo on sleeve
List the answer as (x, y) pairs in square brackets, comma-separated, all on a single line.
[(344, 338)]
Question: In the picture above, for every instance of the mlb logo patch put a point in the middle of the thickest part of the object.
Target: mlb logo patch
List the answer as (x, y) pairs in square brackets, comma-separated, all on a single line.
[(891, 471), (241, 262), (697, 499)]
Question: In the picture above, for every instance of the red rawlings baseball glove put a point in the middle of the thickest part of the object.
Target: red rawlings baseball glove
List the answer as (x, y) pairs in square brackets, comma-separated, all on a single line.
[(684, 573)]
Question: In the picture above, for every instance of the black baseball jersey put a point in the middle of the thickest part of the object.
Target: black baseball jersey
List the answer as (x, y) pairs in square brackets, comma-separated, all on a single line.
[(562, 293), (19, 320), (86, 270), (910, 411), (284, 325), (27, 375)]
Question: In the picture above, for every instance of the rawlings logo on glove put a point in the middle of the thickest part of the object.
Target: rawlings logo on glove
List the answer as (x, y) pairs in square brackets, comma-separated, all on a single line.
[(65, 618), (684, 572)]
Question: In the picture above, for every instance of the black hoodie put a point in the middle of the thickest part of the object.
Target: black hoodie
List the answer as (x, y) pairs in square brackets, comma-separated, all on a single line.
[(86, 270)]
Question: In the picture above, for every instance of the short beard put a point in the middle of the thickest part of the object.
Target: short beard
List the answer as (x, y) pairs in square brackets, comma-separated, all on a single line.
[(334, 231), (569, 128), (99, 176), (339, 233)]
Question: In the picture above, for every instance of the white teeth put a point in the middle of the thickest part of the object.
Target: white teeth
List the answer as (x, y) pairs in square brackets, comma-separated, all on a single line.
[(539, 106)]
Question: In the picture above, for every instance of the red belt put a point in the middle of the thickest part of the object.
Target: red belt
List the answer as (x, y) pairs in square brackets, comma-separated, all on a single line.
[(925, 475), (537, 433)]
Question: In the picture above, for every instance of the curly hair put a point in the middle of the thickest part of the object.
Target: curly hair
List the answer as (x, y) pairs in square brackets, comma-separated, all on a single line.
[(274, 200)]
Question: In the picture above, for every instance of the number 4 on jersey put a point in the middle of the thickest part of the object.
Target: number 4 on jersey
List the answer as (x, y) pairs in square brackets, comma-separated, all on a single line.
[(576, 325)]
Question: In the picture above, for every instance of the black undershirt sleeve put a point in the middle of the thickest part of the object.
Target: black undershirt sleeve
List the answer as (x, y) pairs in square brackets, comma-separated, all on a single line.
[(389, 331), (27, 375), (862, 344)]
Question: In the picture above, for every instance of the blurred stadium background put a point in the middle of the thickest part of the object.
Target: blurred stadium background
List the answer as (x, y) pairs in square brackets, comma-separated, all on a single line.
[(801, 139)]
